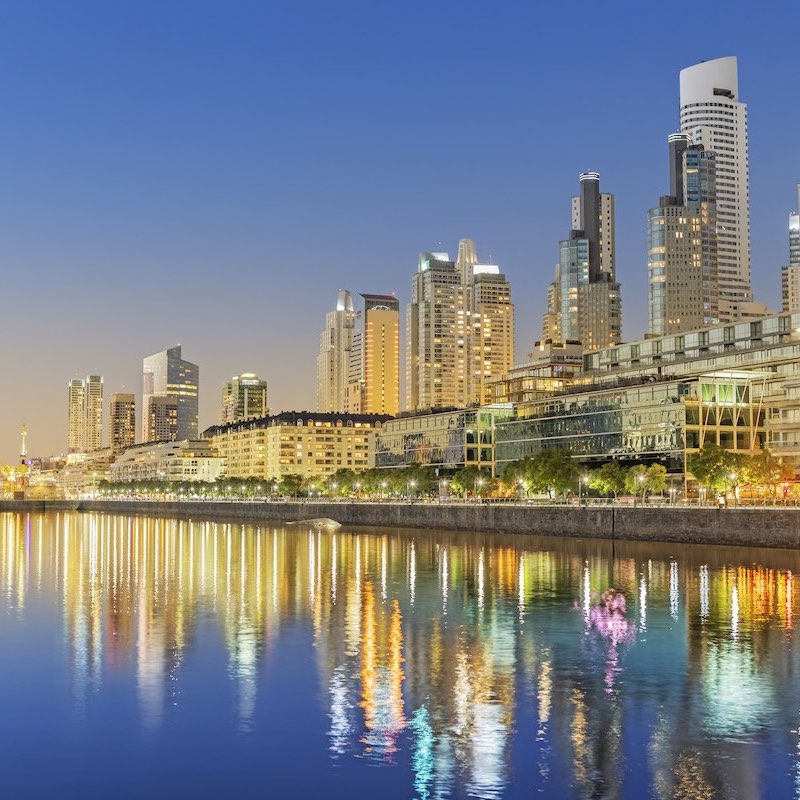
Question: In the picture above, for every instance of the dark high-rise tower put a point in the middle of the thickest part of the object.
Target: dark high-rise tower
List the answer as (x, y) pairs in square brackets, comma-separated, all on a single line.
[(584, 299)]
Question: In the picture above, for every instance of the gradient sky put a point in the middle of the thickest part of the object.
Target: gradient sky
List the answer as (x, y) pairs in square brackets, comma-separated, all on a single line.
[(211, 174)]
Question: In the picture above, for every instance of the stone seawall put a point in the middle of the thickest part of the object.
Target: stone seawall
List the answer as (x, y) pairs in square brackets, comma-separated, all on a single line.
[(39, 506), (753, 527)]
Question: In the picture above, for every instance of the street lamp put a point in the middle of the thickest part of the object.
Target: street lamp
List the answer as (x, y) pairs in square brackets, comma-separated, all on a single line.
[(411, 485), (582, 486), (383, 486)]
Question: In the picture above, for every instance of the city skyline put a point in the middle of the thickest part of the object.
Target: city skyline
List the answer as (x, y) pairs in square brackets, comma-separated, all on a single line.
[(112, 200)]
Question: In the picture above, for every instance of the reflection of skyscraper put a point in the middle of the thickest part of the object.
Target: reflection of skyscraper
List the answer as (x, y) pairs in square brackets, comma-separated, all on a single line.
[(166, 374)]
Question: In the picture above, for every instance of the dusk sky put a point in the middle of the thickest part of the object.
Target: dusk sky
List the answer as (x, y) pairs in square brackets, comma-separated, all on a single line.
[(211, 174)]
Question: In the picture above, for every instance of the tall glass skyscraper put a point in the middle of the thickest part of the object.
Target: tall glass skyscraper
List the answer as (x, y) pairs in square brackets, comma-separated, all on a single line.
[(713, 115), (166, 374)]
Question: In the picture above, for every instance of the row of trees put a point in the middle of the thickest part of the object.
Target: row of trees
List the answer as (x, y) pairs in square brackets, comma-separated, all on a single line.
[(720, 470), (552, 472), (407, 482)]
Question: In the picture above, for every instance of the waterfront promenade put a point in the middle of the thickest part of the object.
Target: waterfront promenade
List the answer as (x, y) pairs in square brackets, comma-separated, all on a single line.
[(743, 526)]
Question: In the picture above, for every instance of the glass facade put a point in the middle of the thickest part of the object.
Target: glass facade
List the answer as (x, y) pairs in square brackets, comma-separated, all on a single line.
[(652, 421), (447, 440)]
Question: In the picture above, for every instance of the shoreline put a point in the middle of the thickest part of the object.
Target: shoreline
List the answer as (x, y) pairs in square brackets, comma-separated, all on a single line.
[(741, 527)]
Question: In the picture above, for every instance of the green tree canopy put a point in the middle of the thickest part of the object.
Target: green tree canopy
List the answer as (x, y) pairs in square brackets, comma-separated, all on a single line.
[(609, 479)]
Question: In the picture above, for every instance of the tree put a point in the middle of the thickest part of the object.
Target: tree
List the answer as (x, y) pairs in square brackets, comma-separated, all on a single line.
[(609, 479), (655, 479), (765, 469), (552, 471), (716, 468), (291, 485), (635, 480), (470, 480)]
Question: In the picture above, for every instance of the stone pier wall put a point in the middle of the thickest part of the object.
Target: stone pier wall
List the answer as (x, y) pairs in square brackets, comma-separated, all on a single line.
[(757, 527)]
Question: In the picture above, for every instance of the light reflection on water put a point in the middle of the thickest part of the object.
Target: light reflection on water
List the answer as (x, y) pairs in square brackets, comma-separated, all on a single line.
[(461, 665)]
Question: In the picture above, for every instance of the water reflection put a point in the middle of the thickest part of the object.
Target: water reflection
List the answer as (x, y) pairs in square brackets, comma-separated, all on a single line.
[(486, 666)]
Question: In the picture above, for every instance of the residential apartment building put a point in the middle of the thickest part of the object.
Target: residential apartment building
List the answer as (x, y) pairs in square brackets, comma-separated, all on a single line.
[(459, 328), (85, 414), (300, 443), (333, 359), (683, 275), (187, 460)]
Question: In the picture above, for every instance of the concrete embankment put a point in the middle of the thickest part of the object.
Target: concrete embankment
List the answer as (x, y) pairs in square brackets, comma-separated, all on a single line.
[(39, 506), (762, 527)]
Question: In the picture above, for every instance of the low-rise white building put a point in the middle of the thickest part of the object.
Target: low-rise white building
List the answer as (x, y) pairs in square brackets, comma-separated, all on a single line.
[(187, 460)]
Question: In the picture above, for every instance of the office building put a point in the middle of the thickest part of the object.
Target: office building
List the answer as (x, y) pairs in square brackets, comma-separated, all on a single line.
[(166, 374), (712, 115), (333, 359), (459, 329), (584, 302), (243, 397), (85, 414), (446, 440), (300, 443), (122, 413), (790, 274), (683, 280)]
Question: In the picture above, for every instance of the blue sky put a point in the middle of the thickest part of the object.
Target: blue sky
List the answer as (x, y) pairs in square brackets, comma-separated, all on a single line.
[(212, 173)]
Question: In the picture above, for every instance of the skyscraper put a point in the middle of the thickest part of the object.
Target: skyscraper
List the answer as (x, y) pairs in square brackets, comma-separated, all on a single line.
[(489, 326), (85, 414), (166, 374), (683, 282), (333, 360), (459, 329), (243, 397), (713, 116), (123, 421), (76, 414), (790, 274), (374, 377), (584, 302)]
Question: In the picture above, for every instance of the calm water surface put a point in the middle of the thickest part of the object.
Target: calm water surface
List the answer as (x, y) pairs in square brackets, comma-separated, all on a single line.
[(154, 658)]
